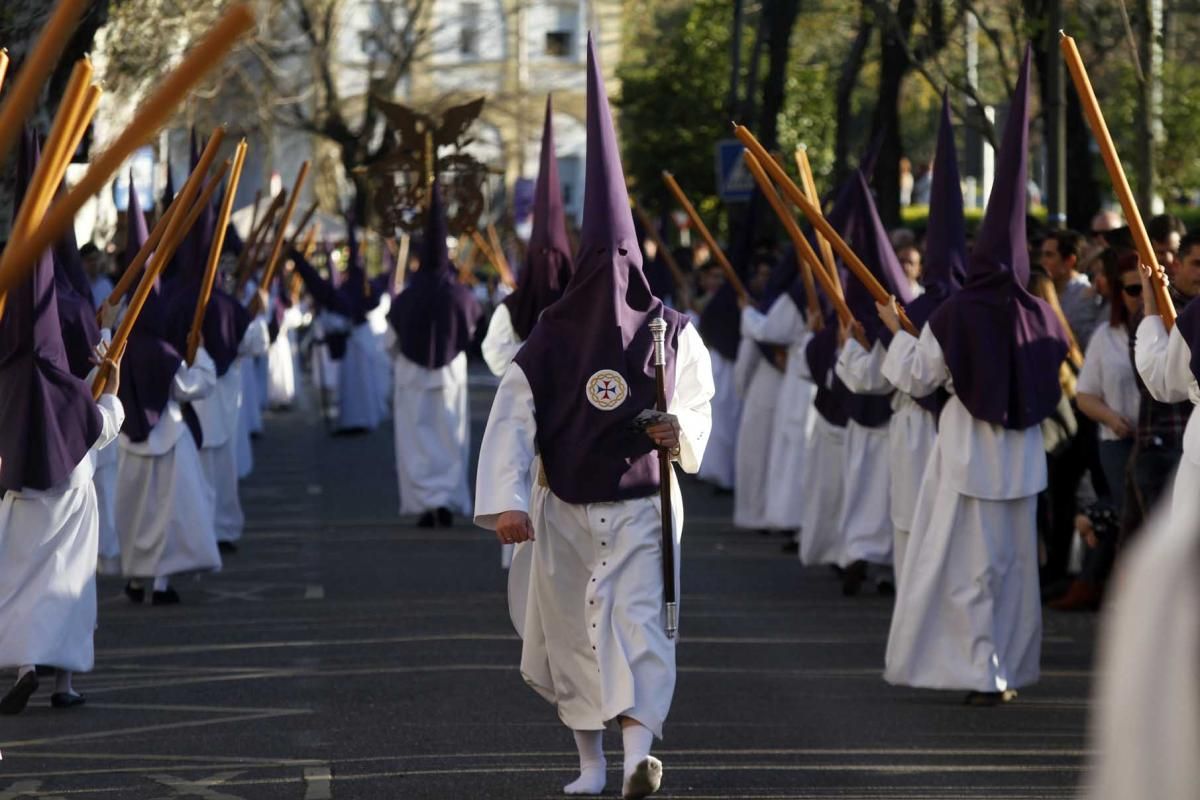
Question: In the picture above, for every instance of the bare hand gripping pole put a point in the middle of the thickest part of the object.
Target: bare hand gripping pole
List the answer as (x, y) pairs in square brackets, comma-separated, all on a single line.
[(658, 329)]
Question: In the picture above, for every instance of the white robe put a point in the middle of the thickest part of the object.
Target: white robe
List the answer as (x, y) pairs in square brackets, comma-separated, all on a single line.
[(501, 344), (105, 481), (910, 437), (720, 455), (164, 503), (358, 375), (377, 320), (968, 611), (432, 436), (865, 515), (791, 430), (1146, 716), (586, 595), (753, 483), (218, 413), (281, 361), (48, 542), (1164, 363)]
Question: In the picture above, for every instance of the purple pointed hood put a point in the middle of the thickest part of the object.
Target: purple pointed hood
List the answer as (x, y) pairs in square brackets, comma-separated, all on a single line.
[(136, 232), (1002, 345), (150, 361), (49, 419), (225, 320), (435, 316), (548, 259), (869, 240), (356, 295), (946, 234), (590, 360), (76, 312)]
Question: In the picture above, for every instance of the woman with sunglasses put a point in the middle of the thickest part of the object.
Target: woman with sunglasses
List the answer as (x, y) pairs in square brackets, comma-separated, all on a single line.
[(1107, 388), (1107, 392)]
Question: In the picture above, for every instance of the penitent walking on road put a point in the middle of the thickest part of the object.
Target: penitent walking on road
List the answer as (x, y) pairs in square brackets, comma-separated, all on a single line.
[(567, 473)]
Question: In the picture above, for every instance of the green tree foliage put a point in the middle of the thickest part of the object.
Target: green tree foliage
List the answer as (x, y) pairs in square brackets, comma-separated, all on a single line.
[(674, 86)]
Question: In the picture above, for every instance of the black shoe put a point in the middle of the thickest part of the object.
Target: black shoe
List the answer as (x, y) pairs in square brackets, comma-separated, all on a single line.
[(853, 578), (136, 594), (427, 520), (990, 699), (886, 588), (169, 597), (227, 548), (721, 491), (764, 531), (444, 518), (66, 700), (791, 547), (18, 696), (838, 572)]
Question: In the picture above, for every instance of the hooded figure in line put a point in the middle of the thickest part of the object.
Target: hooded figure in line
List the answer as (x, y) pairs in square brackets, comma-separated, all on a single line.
[(434, 322), (547, 271), (968, 612), (344, 310), (563, 457), (913, 424), (231, 338), (164, 503), (51, 433), (547, 265)]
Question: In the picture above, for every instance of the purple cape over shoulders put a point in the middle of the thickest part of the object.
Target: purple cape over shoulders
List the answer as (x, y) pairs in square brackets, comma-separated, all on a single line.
[(590, 360)]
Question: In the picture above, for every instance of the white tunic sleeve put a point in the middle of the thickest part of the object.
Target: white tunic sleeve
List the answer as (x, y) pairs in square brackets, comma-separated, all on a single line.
[(691, 401), (1162, 361), (916, 367), (256, 340), (782, 324), (501, 344), (112, 415), (862, 371), (195, 382), (507, 452)]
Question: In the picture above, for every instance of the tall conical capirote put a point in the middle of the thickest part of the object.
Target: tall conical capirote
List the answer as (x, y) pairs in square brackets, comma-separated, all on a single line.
[(590, 359), (1003, 346), (49, 419), (945, 263), (435, 316), (548, 262)]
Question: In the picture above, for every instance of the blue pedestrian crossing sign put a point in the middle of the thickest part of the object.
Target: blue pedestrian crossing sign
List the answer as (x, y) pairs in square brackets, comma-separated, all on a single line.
[(734, 182)]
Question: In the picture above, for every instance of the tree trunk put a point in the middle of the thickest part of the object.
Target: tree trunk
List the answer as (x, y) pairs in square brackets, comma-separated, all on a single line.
[(894, 65), (779, 22), (1083, 199), (1148, 121), (847, 80)]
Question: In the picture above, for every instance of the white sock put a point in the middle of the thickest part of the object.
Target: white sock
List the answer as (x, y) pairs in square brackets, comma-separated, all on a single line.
[(24, 670), (161, 584), (637, 739), (592, 765), (62, 682)]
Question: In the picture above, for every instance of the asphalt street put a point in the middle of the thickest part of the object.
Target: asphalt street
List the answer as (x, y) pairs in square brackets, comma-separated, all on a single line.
[(344, 653)]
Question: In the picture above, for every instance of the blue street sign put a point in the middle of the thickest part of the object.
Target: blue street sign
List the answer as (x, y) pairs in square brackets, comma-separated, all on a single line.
[(735, 184)]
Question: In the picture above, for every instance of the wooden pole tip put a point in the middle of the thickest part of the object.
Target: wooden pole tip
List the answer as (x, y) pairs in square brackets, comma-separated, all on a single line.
[(1062, 34)]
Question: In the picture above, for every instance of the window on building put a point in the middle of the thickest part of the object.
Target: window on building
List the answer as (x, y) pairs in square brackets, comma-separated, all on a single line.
[(558, 44), (468, 35)]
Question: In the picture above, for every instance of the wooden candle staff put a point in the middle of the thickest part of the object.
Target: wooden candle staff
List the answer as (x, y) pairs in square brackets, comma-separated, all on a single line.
[(819, 223), (171, 238), (48, 173), (730, 274), (501, 262), (38, 65), (214, 253), (280, 236), (210, 51), (806, 259), (299, 229), (809, 185), (1116, 173), (3, 65), (246, 261), (681, 281)]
